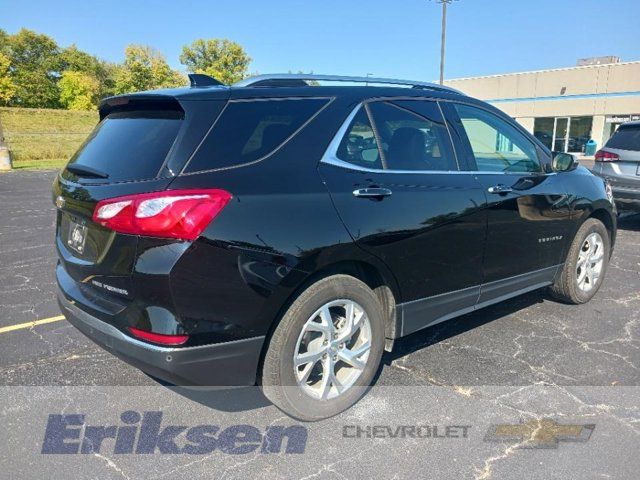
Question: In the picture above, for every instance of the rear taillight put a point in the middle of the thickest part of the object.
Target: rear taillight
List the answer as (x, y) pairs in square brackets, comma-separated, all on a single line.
[(159, 337), (181, 214), (604, 156)]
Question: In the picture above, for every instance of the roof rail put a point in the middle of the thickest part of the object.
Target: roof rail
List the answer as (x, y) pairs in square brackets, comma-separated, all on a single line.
[(297, 79)]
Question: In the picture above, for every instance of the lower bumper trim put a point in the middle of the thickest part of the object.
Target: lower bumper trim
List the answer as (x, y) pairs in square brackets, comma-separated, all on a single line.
[(223, 364)]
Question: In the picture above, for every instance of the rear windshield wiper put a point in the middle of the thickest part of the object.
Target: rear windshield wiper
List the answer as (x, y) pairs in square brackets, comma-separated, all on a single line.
[(84, 171)]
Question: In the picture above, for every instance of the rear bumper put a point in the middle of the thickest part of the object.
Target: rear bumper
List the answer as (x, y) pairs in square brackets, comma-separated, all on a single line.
[(627, 197), (224, 364)]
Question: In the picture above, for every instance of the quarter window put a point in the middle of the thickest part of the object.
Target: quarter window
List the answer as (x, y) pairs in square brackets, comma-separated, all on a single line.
[(250, 130), (497, 146)]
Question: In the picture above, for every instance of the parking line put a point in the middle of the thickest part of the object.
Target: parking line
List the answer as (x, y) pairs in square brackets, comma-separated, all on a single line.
[(19, 326)]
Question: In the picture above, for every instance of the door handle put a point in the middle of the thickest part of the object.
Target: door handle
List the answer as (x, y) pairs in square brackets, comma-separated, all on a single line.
[(499, 189), (372, 192)]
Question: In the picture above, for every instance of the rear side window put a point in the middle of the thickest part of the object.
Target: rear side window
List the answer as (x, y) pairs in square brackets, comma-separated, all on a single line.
[(130, 145), (251, 130), (626, 138), (410, 141), (406, 140)]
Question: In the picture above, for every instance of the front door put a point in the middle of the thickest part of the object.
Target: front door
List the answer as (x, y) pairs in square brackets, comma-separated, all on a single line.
[(394, 180), (528, 213)]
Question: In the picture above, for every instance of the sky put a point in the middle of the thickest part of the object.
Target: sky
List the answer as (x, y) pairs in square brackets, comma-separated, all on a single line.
[(384, 38)]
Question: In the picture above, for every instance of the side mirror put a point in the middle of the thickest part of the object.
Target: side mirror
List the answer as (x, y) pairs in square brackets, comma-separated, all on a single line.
[(564, 162)]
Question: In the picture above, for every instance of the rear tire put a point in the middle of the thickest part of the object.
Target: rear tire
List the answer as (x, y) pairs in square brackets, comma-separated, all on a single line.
[(295, 384), (586, 264)]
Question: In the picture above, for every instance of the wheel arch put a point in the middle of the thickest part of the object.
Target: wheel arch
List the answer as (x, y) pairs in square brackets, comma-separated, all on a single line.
[(609, 222), (380, 280)]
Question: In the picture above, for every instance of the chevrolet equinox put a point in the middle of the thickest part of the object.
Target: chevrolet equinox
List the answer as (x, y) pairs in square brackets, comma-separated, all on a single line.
[(285, 230)]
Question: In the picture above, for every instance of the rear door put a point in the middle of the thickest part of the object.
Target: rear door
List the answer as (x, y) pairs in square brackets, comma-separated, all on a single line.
[(528, 213), (394, 179)]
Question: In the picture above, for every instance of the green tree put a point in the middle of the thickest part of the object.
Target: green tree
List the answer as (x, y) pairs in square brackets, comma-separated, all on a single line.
[(78, 90), (145, 68), (34, 68), (223, 59), (7, 88), (74, 59)]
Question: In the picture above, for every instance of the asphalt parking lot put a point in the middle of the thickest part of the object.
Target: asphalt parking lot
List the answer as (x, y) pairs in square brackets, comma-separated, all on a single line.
[(529, 341)]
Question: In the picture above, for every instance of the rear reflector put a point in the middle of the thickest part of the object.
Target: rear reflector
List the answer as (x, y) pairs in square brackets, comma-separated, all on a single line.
[(604, 156), (181, 214), (158, 337)]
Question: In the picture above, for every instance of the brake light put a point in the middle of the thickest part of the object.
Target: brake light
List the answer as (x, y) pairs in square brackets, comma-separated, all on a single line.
[(159, 337), (604, 156), (181, 214)]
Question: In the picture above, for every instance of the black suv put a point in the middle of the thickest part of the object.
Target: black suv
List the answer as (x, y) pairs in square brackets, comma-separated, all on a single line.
[(285, 232)]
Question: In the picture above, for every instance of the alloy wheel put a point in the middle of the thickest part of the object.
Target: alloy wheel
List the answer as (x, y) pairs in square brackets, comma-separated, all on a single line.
[(332, 349), (590, 262)]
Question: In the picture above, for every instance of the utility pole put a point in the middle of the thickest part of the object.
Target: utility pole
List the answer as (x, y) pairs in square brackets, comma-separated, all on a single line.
[(443, 37)]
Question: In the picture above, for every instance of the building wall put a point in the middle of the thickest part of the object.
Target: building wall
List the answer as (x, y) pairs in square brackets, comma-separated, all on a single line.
[(598, 91)]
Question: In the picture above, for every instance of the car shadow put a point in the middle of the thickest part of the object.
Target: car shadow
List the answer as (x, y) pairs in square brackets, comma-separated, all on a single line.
[(250, 398), (224, 399), (451, 328)]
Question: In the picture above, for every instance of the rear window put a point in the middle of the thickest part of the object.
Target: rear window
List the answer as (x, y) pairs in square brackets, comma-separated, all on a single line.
[(250, 130), (626, 138), (129, 145)]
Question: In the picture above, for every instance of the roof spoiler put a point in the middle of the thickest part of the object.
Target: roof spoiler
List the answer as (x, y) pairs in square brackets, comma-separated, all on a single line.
[(138, 101), (202, 80)]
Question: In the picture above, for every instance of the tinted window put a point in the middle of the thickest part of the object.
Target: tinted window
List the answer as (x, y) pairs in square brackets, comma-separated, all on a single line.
[(410, 141), (626, 138), (497, 146), (250, 130), (130, 145), (359, 145)]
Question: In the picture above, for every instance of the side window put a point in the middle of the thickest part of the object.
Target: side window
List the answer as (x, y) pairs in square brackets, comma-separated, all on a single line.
[(359, 145), (497, 146), (412, 141), (250, 130)]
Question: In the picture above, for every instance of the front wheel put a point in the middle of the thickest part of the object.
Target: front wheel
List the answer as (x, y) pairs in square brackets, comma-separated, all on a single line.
[(326, 349), (586, 264)]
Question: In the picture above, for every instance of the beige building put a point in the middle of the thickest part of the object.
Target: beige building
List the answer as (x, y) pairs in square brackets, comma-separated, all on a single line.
[(565, 107)]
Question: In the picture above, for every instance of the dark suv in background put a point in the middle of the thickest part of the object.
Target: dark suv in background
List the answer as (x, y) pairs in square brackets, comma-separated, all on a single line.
[(285, 233), (619, 163)]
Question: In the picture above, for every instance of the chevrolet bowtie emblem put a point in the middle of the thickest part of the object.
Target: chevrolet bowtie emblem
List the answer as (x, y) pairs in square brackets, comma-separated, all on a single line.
[(543, 433)]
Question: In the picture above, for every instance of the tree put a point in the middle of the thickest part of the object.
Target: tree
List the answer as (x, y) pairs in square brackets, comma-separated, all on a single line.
[(7, 88), (145, 68), (74, 59), (223, 59), (34, 66), (78, 90)]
